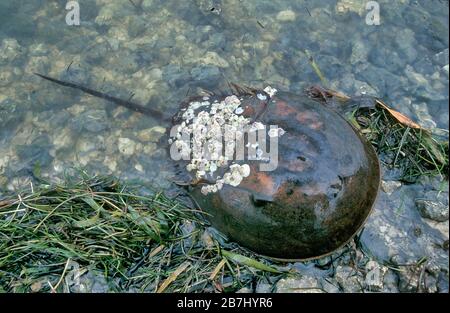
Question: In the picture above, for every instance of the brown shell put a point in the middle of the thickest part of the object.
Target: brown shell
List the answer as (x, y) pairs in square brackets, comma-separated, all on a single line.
[(317, 198)]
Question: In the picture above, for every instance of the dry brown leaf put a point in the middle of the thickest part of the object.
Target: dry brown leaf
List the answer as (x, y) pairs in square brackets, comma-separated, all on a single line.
[(5, 203), (217, 269), (156, 251), (324, 93), (36, 287), (399, 116), (218, 286), (173, 276)]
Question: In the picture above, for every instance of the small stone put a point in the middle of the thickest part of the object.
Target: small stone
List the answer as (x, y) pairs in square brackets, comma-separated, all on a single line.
[(329, 287), (207, 239), (10, 50), (442, 57), (212, 58), (390, 186), (126, 146), (38, 49), (208, 75), (111, 163), (408, 278), (6, 76), (148, 4), (153, 134), (348, 279), (36, 287), (244, 290), (286, 16), (432, 209), (360, 52), (345, 6), (139, 168), (374, 276), (93, 120), (9, 113), (390, 282), (304, 284), (263, 288), (150, 148), (324, 261)]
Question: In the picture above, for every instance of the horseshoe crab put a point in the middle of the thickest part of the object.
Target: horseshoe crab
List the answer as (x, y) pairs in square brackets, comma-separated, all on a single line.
[(312, 203)]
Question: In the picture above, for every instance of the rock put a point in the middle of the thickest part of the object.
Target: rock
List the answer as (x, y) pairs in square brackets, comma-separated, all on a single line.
[(113, 11), (374, 276), (175, 76), (424, 118), (10, 51), (88, 143), (390, 186), (125, 62), (442, 283), (348, 279), (324, 261), (430, 284), (90, 282), (441, 58), (48, 98), (445, 69), (76, 74), (424, 66), (305, 284), (212, 58), (38, 50), (153, 134), (35, 154), (410, 237), (360, 52), (207, 239), (390, 282), (263, 288), (406, 42), (148, 4), (38, 64), (10, 115), (92, 120), (63, 138), (7, 76), (433, 206), (244, 290), (408, 278), (206, 75), (136, 26), (345, 6), (286, 16), (415, 77), (110, 163), (96, 53), (126, 146), (138, 167), (209, 6), (329, 287), (149, 149), (155, 74)]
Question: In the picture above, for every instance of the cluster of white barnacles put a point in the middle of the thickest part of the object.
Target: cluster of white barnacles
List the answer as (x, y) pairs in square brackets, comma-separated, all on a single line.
[(209, 126)]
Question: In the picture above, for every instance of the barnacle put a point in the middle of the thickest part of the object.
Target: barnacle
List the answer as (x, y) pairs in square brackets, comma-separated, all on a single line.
[(212, 123)]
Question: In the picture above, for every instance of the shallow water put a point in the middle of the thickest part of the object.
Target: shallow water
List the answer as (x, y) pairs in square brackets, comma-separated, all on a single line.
[(157, 52)]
